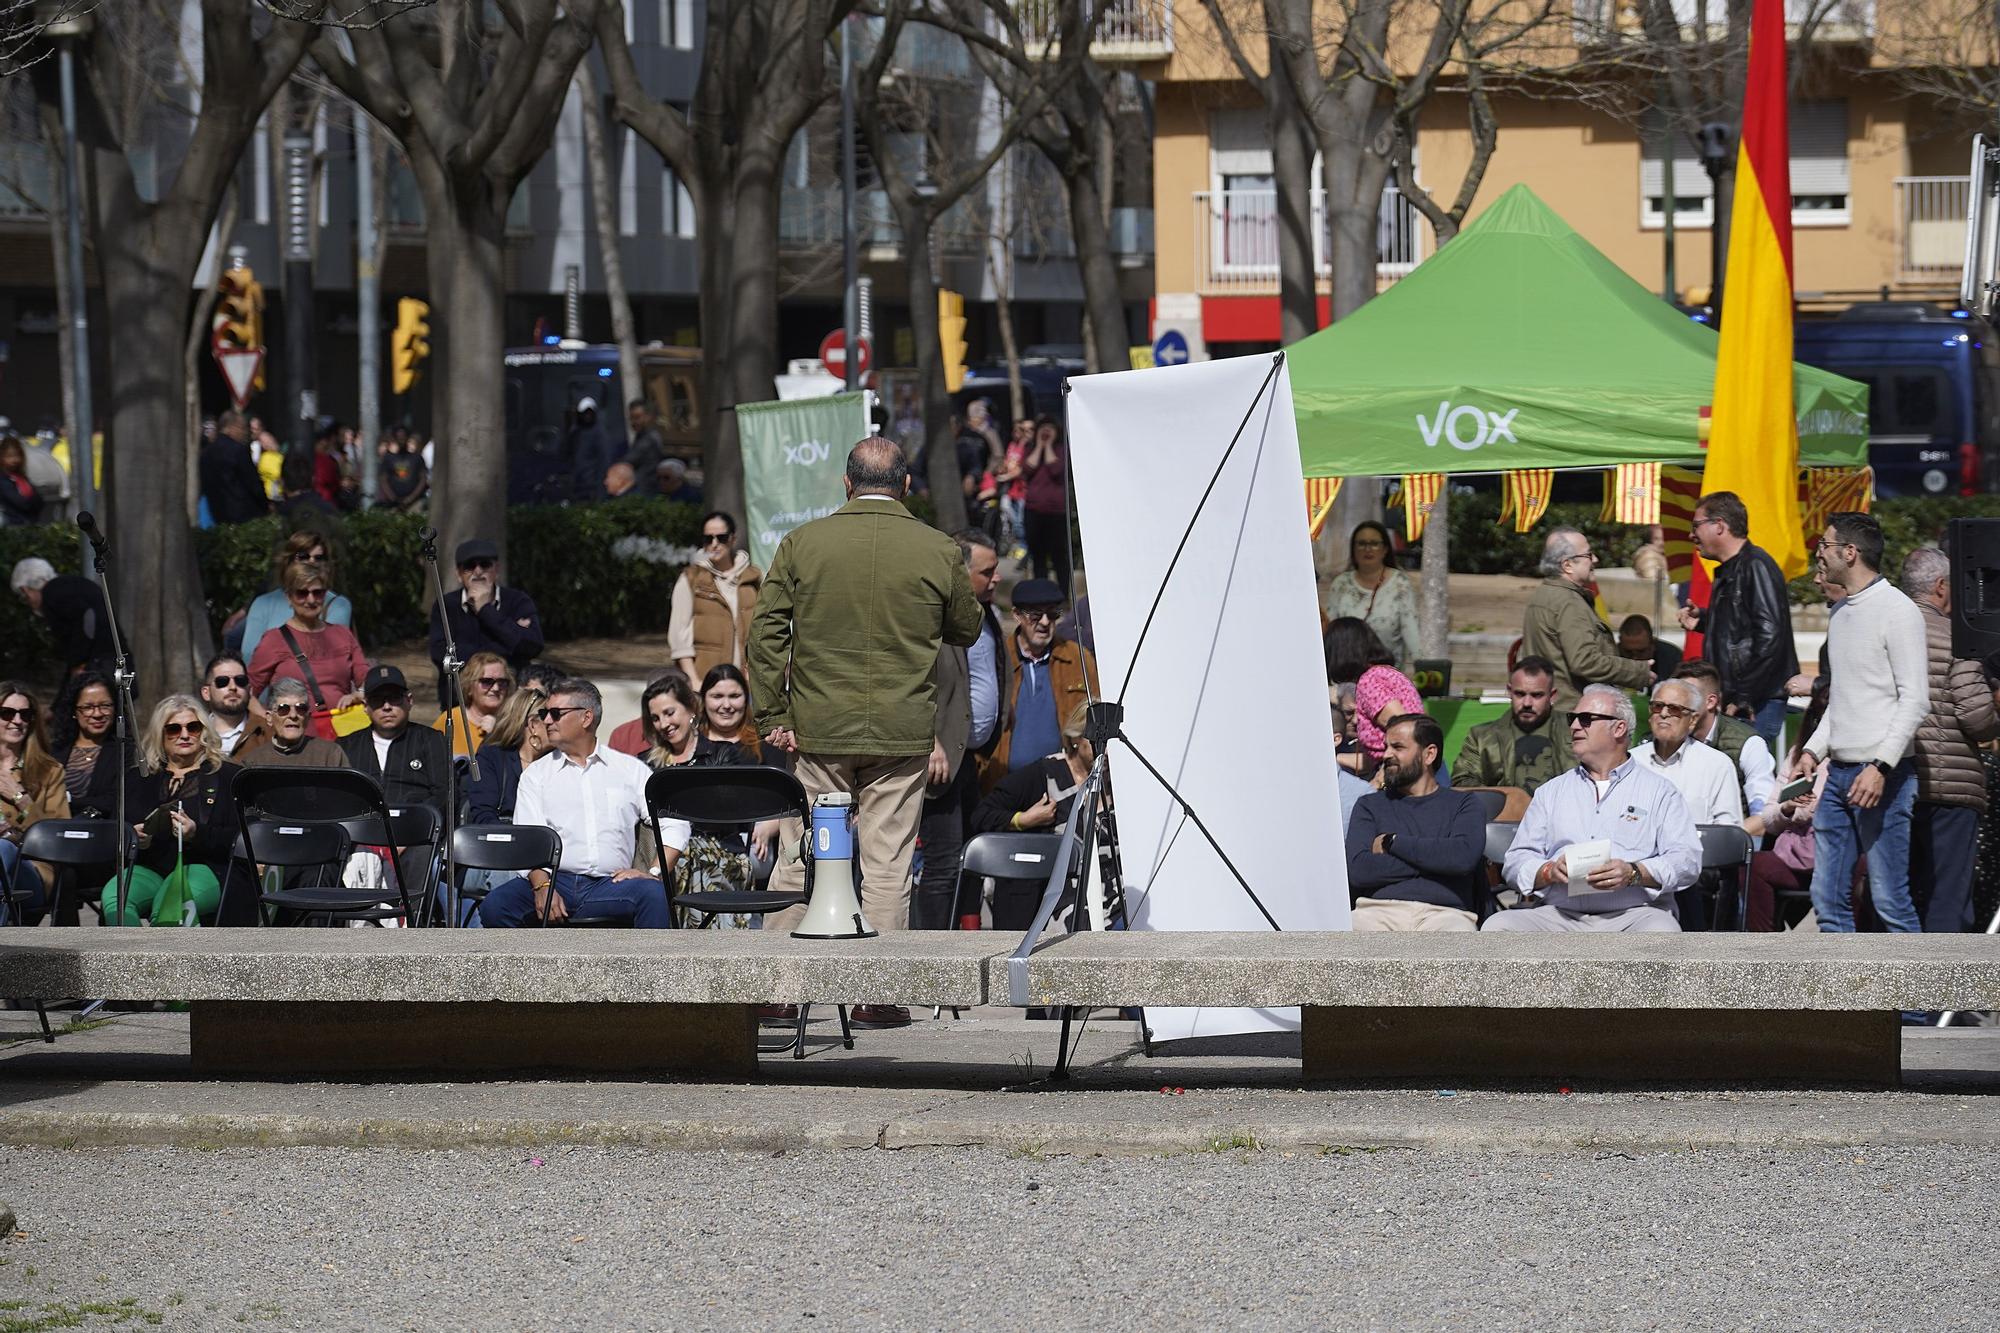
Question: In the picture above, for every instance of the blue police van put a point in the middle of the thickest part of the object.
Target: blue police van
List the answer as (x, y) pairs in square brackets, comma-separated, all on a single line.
[(1933, 377)]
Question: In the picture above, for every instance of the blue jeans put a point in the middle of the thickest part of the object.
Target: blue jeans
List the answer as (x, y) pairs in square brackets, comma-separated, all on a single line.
[(1882, 832), (1770, 721), (26, 883), (644, 900)]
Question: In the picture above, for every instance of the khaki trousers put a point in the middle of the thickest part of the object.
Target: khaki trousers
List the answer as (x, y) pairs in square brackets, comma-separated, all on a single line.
[(1401, 914), (889, 798)]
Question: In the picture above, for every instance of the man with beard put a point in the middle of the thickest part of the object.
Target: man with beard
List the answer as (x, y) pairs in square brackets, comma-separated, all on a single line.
[(1413, 848), (225, 688), (1521, 749)]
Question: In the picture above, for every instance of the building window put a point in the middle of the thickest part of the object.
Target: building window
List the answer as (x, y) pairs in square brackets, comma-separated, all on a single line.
[(1818, 168), (676, 206), (628, 183), (677, 24)]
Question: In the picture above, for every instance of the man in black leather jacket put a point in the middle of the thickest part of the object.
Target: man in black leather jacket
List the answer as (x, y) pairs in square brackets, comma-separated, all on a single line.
[(1747, 627)]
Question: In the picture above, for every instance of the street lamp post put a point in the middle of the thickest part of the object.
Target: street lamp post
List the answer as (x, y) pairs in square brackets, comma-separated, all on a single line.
[(67, 31), (1714, 140), (850, 261)]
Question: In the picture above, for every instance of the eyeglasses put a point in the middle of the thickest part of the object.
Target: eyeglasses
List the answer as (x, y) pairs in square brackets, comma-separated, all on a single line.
[(491, 682), (16, 714), (1701, 523), (224, 682), (715, 538), (1369, 545), (1585, 719), (557, 714), (1822, 545), (183, 729), (93, 708), (310, 595), (290, 710), (1049, 613), (1581, 555), (481, 563), (1669, 711)]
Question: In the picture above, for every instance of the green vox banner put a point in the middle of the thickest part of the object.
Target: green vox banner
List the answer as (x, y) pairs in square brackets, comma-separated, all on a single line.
[(794, 454)]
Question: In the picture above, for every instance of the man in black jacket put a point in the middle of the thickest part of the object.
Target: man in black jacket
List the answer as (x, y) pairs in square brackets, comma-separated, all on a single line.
[(1747, 627), (73, 606), (408, 761), (229, 479), (485, 616)]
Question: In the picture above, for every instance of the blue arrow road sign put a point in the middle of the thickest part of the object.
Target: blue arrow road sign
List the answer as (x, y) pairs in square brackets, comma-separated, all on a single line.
[(1170, 349)]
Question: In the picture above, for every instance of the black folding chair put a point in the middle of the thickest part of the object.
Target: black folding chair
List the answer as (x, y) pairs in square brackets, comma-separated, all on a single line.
[(1492, 801), (303, 797), (1008, 856), (510, 848), (412, 828), (73, 847), (1725, 854), (732, 799)]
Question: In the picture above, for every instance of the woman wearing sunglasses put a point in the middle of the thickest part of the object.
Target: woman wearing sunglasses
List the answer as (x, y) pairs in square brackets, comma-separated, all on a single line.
[(31, 790), (270, 608), (708, 622), (485, 683), (327, 657), (181, 807)]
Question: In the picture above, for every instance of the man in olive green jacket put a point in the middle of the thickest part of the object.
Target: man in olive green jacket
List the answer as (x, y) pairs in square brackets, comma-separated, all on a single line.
[(1525, 748), (1561, 624), (853, 612)]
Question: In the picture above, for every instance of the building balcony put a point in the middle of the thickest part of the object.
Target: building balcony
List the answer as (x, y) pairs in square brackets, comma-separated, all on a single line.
[(1602, 23), (1930, 228), (1128, 32), (1237, 232)]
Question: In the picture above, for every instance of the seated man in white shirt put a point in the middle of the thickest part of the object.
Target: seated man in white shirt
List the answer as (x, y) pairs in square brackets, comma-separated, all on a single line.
[(1701, 773), (595, 798)]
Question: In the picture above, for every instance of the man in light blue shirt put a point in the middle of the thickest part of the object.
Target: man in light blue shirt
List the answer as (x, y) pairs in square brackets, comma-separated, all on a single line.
[(1649, 847)]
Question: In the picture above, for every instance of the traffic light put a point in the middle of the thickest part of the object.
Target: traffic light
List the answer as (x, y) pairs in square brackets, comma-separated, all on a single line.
[(239, 314), (411, 345), (951, 338)]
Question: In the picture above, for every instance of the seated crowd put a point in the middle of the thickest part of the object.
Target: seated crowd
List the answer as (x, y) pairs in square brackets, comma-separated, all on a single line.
[(1601, 817)]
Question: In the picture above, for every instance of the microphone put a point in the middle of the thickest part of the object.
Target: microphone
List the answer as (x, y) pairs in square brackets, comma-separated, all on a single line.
[(429, 540), (86, 523)]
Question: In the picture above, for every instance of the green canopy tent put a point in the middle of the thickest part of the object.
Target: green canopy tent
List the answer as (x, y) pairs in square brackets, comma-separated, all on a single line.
[(1519, 345)]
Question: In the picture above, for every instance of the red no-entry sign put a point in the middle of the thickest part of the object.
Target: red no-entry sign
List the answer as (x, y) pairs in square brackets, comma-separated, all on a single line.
[(833, 354)]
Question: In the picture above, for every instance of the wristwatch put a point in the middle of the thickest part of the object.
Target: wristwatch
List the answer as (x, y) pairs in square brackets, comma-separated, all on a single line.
[(1885, 769), (1388, 842)]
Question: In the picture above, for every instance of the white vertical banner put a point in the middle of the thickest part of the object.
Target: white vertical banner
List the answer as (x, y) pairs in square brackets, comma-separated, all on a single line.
[(1236, 634)]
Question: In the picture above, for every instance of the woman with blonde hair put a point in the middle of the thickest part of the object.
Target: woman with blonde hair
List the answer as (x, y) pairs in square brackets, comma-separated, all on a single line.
[(484, 684), (31, 790), (327, 657), (184, 812), (517, 738)]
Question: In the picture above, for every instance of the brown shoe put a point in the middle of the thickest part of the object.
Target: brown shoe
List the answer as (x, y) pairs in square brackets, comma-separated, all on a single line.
[(777, 1013), (878, 1016)]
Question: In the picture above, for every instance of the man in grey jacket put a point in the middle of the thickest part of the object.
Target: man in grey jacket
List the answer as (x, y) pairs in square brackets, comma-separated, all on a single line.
[(1880, 693), (1951, 780)]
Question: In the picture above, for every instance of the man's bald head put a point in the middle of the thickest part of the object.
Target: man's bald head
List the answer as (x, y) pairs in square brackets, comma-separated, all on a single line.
[(876, 466)]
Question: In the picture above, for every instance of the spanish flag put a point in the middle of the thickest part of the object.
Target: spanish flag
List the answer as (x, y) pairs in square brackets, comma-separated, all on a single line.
[(1753, 446)]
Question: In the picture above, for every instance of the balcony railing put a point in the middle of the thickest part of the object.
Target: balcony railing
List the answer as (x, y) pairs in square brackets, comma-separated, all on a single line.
[(1608, 22), (1930, 227), (1129, 31), (1237, 231)]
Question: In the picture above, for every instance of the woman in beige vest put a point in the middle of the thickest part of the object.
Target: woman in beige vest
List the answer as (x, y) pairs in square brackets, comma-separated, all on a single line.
[(713, 601)]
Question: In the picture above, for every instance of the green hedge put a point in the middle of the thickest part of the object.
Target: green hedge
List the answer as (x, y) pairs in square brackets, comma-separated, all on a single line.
[(1906, 525), (563, 555), (1479, 545)]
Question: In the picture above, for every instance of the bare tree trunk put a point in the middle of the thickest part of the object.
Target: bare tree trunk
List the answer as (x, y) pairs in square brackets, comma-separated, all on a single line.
[(604, 201), (467, 238), (1099, 271), (1291, 168), (197, 339), (1010, 345), (753, 296), (940, 450), (721, 448), (1434, 611)]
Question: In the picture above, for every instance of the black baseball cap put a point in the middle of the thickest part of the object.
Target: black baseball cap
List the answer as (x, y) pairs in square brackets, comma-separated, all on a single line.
[(479, 548), (383, 678)]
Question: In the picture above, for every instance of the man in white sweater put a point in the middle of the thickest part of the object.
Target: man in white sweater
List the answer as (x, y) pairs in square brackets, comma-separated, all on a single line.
[(1876, 655)]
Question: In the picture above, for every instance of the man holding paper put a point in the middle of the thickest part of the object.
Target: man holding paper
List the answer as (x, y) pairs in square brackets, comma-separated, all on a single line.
[(1606, 845)]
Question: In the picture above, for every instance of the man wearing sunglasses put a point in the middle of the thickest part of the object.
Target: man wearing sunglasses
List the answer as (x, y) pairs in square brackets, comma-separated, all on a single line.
[(408, 761), (1702, 774), (290, 742), (225, 688), (1050, 676), (1561, 624), (1634, 841), (486, 617)]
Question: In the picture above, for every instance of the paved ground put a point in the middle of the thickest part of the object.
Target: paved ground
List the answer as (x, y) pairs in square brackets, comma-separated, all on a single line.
[(619, 1238)]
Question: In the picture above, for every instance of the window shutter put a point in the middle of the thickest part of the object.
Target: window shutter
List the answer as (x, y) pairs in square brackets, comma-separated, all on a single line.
[(1819, 148), (1691, 183), (1240, 143)]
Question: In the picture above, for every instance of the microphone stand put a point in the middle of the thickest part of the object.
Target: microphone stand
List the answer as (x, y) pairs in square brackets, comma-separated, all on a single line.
[(123, 677), (454, 709)]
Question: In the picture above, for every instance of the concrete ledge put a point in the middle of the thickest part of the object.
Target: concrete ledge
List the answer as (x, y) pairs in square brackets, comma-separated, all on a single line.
[(1543, 972), (340, 1038), (523, 966), (1727, 1045)]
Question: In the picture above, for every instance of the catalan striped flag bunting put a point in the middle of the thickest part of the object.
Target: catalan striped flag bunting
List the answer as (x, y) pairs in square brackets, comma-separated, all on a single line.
[(1834, 490), (1524, 495), (1420, 492), (1635, 494), (1680, 487), (1321, 492), (1753, 446)]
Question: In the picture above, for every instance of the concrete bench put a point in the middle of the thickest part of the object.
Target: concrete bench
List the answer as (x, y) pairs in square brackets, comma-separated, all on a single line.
[(314, 1002), (1693, 1006)]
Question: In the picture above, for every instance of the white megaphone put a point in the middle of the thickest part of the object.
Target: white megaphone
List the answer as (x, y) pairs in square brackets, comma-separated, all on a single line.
[(833, 913)]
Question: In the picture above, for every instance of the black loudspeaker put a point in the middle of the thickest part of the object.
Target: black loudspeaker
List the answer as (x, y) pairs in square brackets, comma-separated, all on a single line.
[(1974, 547)]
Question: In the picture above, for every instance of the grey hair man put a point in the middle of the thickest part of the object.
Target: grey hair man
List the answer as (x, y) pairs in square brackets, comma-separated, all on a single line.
[(290, 742), (1702, 774), (1607, 845), (73, 606), (1561, 624), (1951, 781)]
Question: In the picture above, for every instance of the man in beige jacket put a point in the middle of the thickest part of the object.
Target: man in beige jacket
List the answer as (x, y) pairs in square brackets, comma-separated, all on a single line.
[(1561, 625)]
